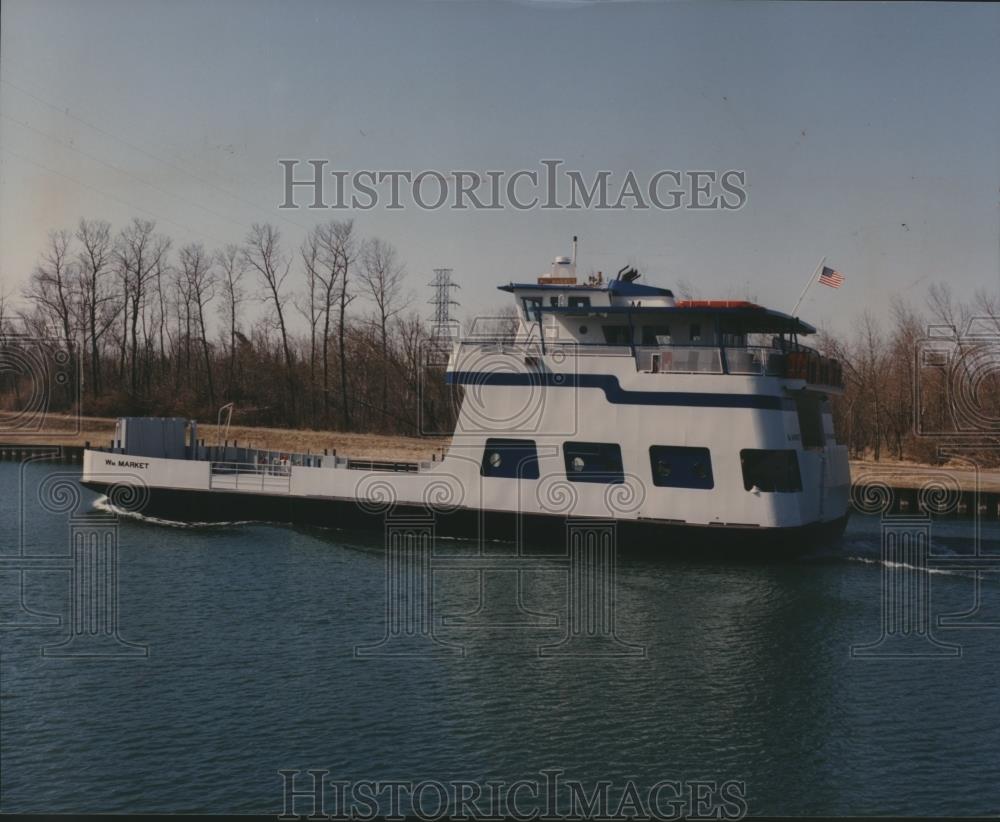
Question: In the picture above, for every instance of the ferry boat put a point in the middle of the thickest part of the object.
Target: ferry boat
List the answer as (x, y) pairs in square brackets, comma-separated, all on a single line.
[(689, 424)]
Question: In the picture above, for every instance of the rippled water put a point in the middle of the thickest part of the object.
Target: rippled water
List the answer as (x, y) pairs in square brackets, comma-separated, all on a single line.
[(251, 633)]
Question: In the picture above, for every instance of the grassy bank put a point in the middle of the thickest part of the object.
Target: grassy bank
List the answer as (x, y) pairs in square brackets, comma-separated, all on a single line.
[(63, 430)]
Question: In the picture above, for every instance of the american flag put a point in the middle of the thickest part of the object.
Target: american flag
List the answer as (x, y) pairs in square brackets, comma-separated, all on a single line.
[(832, 278)]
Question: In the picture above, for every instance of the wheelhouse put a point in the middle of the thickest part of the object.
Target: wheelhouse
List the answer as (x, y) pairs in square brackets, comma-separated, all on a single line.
[(667, 335)]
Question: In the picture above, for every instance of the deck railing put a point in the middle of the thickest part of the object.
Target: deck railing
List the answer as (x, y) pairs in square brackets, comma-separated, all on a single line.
[(246, 455), (756, 360), (247, 476), (533, 348), (679, 359), (751, 360)]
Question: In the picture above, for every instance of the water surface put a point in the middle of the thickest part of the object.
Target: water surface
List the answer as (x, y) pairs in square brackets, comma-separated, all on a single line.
[(251, 631)]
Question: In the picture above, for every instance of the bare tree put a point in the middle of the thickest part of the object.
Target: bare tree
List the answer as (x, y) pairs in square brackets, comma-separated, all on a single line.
[(140, 254), (263, 254), (53, 290), (161, 274), (382, 276), (871, 360), (340, 251), (900, 376), (10, 384), (196, 268), (686, 290), (941, 304), (312, 310), (231, 263), (98, 300), (4, 315), (181, 347)]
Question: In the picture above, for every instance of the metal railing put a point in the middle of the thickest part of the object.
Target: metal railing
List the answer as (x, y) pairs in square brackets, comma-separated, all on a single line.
[(750, 360), (247, 476), (246, 455), (678, 359), (756, 360), (534, 348)]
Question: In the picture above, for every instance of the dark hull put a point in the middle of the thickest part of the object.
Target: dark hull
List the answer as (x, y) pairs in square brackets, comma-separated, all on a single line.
[(540, 531)]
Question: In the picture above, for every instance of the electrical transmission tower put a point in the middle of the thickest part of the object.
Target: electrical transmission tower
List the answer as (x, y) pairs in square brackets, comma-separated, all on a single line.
[(442, 330)]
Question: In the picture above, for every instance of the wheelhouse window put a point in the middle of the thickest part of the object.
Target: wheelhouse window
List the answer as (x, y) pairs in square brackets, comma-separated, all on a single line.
[(656, 335), (579, 302), (533, 308), (695, 333), (516, 459), (676, 466), (616, 334), (593, 462), (770, 470)]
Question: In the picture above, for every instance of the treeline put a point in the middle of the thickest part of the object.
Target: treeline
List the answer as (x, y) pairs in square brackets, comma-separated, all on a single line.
[(922, 384), (322, 335)]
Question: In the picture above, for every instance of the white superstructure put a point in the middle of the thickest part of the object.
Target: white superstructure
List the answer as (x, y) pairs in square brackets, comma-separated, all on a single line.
[(603, 399)]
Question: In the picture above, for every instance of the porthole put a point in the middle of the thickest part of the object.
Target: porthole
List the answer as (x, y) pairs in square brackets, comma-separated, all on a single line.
[(495, 459), (577, 464), (583, 329)]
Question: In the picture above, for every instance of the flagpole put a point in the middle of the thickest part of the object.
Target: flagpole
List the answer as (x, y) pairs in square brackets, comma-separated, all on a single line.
[(812, 279)]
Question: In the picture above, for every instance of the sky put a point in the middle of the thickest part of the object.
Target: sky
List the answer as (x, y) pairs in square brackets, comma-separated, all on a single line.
[(869, 133)]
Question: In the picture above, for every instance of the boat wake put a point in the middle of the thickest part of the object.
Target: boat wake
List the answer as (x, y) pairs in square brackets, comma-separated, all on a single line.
[(868, 552), (864, 550), (105, 505), (883, 563)]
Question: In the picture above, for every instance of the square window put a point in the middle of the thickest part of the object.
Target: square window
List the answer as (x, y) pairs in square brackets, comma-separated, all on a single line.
[(655, 334), (676, 466), (616, 334), (515, 459), (770, 470), (593, 462)]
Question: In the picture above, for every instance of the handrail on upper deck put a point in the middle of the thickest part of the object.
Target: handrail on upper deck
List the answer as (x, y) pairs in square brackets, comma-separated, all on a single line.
[(792, 361)]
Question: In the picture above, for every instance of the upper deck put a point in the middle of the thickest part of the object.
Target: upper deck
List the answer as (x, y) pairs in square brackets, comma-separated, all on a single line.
[(661, 334)]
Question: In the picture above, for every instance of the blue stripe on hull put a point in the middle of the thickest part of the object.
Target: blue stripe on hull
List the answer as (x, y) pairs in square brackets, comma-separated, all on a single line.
[(616, 395)]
